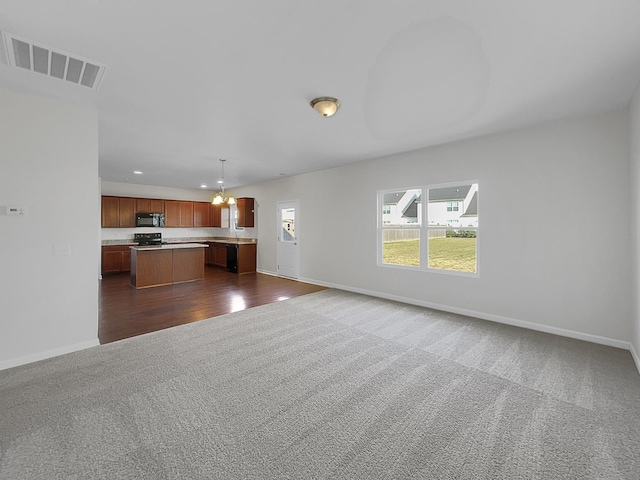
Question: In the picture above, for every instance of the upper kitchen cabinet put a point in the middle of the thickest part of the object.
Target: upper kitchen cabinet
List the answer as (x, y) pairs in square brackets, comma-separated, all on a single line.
[(245, 208), (110, 212), (149, 205), (219, 216), (202, 216), (178, 213), (118, 212)]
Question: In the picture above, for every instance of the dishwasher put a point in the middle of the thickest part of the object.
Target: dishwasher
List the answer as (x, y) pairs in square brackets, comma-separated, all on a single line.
[(232, 257)]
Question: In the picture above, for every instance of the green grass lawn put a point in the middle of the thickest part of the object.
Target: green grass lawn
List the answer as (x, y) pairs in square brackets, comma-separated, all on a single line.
[(457, 254)]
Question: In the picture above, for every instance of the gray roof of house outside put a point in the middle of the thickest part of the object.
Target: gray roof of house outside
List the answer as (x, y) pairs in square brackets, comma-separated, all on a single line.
[(472, 208), (393, 198), (444, 194), (448, 194), (412, 210)]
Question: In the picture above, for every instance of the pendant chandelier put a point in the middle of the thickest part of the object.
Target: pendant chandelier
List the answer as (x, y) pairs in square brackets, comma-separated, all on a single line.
[(220, 199)]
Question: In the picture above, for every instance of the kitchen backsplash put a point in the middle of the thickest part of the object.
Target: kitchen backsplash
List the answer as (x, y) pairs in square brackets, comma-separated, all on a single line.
[(125, 234)]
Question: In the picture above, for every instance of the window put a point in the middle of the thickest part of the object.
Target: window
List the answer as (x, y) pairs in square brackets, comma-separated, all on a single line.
[(453, 241), (447, 216), (401, 215)]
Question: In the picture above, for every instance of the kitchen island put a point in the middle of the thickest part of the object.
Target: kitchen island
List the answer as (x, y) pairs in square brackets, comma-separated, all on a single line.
[(167, 264)]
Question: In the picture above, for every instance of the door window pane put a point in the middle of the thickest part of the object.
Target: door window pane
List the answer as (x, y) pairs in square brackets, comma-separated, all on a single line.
[(288, 224)]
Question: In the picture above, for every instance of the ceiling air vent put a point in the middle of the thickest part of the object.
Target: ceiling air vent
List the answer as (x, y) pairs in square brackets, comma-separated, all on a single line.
[(39, 58)]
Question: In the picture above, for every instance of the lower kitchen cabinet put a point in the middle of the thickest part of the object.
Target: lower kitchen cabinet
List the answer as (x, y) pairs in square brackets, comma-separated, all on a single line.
[(218, 254), (246, 256), (116, 258)]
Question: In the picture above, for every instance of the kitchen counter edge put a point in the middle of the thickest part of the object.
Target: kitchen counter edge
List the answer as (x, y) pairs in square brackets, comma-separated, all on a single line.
[(239, 241), (171, 246)]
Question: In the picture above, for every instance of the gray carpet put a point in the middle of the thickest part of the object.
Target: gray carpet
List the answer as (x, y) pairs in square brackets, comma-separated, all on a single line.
[(331, 385)]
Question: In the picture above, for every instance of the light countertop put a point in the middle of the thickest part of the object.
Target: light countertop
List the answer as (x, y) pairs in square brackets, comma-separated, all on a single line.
[(238, 241), (169, 246), (200, 240)]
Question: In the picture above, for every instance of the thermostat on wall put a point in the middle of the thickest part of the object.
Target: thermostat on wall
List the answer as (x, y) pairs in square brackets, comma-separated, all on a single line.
[(11, 210)]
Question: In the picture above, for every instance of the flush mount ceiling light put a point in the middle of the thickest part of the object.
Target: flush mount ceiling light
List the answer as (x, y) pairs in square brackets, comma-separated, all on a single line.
[(219, 199), (325, 106)]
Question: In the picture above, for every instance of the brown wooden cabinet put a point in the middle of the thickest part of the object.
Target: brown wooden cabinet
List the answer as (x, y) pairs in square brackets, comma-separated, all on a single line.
[(127, 212), (186, 214), (171, 213), (247, 258), (149, 205), (178, 213), (165, 266), (202, 216), (118, 212), (217, 256), (245, 208), (219, 252), (110, 212), (216, 216), (116, 258), (220, 216)]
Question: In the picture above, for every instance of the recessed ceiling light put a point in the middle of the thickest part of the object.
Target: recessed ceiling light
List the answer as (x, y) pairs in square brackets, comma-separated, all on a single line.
[(137, 172), (203, 186), (220, 181)]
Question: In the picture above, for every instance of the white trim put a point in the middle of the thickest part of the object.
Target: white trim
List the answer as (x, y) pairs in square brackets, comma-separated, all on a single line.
[(587, 337), (268, 272), (34, 357), (634, 354)]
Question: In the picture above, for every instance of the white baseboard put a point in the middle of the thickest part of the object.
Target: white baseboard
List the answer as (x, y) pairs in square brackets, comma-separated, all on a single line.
[(267, 272), (34, 357), (611, 342), (634, 354)]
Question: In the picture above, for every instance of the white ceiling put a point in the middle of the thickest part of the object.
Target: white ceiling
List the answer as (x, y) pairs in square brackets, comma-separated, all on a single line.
[(189, 82)]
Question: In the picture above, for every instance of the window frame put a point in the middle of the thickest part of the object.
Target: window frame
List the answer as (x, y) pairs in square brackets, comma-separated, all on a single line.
[(383, 226), (424, 229)]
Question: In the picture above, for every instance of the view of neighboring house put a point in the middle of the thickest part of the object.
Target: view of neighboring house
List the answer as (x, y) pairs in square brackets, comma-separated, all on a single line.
[(288, 230), (288, 224), (455, 207), (402, 207)]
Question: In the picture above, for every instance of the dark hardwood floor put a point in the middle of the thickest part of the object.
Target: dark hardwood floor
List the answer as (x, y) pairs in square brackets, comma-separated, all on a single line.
[(126, 312)]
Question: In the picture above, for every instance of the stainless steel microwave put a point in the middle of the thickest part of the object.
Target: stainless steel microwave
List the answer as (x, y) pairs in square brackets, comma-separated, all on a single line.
[(149, 219)]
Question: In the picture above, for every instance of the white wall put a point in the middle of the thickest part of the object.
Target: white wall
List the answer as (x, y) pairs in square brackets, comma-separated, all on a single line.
[(150, 191), (48, 163), (634, 109), (538, 266)]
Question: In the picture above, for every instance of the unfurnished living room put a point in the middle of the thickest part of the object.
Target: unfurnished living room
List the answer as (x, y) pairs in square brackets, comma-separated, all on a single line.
[(319, 240)]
